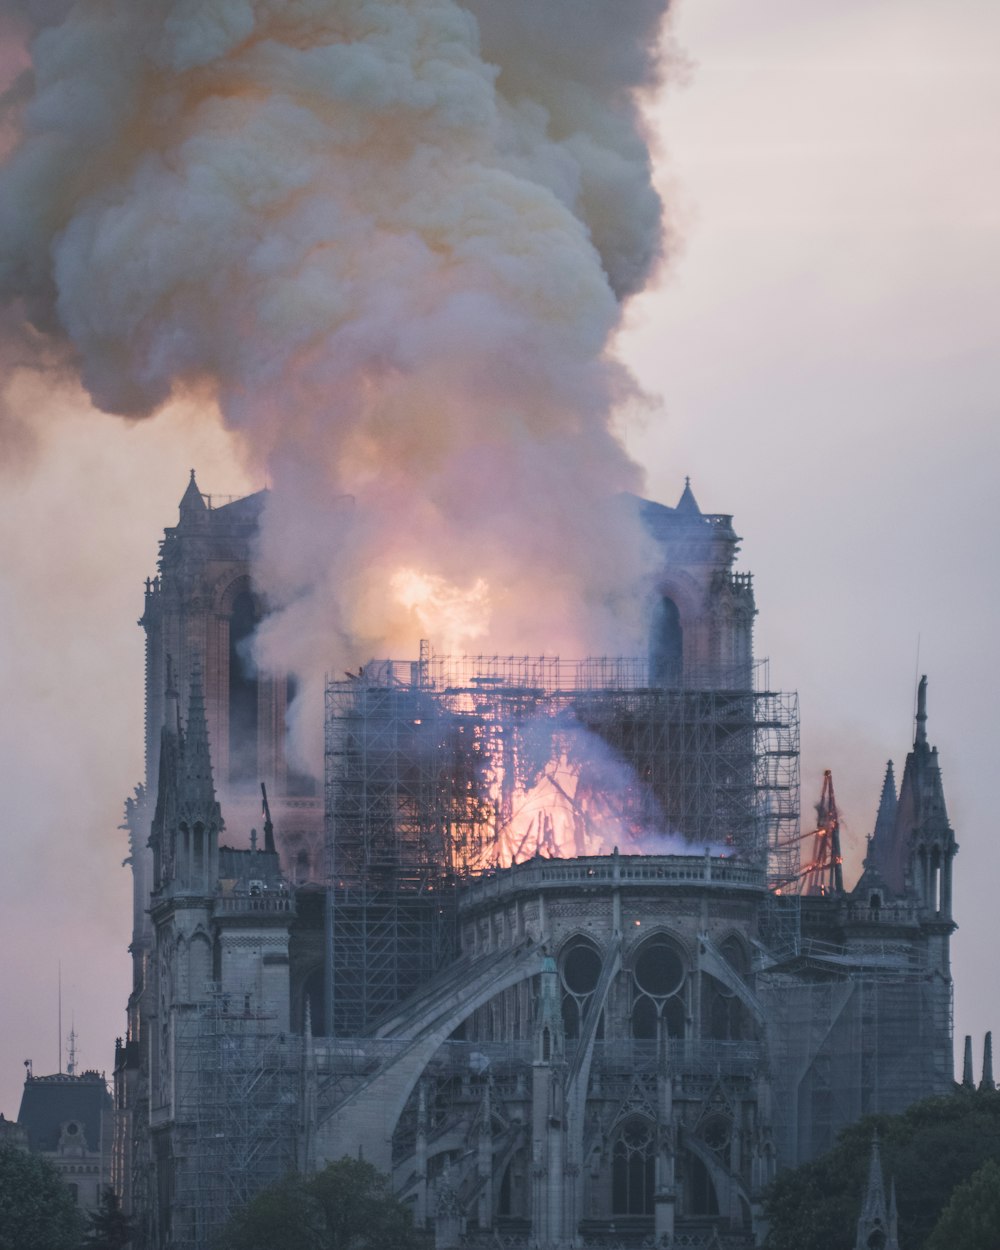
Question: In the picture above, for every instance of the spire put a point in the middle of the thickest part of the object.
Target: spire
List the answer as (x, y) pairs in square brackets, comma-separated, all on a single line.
[(987, 1082), (549, 1033), (874, 1216), (198, 799), (192, 506), (920, 738), (916, 857), (968, 1076), (165, 813), (687, 502), (887, 805)]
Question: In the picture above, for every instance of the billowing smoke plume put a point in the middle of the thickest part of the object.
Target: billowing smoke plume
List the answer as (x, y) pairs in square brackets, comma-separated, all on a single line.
[(388, 239)]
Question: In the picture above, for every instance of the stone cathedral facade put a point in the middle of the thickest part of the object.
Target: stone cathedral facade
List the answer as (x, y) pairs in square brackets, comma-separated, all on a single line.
[(539, 946)]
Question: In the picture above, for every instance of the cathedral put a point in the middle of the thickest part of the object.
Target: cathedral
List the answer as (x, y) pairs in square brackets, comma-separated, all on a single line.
[(540, 944)]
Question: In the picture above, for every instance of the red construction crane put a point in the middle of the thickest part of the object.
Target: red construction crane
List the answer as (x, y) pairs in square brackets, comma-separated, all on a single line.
[(824, 874)]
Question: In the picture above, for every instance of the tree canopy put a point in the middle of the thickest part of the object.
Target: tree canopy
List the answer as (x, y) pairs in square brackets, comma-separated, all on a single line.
[(346, 1206), (37, 1211), (929, 1150), (971, 1220)]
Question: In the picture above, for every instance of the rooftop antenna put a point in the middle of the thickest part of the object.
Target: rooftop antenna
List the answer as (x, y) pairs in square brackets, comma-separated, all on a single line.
[(59, 998), (71, 1065)]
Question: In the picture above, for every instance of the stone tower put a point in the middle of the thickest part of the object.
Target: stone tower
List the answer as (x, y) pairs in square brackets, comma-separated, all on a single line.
[(703, 611), (877, 1222)]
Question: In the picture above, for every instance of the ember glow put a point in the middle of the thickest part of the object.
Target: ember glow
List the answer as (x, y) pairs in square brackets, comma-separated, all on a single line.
[(457, 617)]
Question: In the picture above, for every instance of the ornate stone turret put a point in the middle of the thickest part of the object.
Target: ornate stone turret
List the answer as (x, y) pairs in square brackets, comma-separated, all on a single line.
[(887, 806), (550, 1036), (914, 846), (548, 1129), (968, 1077), (188, 820), (987, 1081), (877, 1223), (193, 510)]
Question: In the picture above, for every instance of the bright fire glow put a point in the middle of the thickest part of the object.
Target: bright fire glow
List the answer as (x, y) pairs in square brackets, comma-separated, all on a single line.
[(445, 612)]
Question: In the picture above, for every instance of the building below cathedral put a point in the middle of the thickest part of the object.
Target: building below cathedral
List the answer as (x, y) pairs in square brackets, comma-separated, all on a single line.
[(68, 1119), (542, 949)]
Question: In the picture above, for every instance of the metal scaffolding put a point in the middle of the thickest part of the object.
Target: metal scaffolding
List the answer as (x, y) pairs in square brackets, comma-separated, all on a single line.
[(236, 1111), (440, 769), (850, 1033)]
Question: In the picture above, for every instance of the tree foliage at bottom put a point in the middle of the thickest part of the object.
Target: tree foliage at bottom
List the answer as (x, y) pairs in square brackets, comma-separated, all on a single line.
[(971, 1220), (346, 1206), (928, 1150), (37, 1211)]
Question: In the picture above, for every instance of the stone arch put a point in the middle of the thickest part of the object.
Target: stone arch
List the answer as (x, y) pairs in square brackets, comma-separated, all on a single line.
[(675, 607), (367, 1118)]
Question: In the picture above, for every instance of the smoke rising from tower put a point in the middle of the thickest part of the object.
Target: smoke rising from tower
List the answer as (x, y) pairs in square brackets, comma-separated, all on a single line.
[(389, 240)]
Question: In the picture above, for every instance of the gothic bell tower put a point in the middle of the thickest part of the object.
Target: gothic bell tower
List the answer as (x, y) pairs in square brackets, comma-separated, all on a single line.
[(203, 606)]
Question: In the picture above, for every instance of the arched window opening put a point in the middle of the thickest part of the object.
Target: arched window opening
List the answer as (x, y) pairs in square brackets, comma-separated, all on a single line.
[(302, 868), (580, 971), (243, 691), (659, 969), (876, 1240), (724, 1017), (633, 1163), (659, 975), (546, 1045), (666, 651)]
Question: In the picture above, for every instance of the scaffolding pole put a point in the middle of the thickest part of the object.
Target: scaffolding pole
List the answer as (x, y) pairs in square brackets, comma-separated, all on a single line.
[(235, 1113), (441, 769)]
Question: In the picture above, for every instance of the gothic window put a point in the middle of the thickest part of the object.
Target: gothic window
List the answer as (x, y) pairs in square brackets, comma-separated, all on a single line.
[(580, 970), (302, 868), (243, 690), (658, 993), (724, 1018), (666, 648), (633, 1165)]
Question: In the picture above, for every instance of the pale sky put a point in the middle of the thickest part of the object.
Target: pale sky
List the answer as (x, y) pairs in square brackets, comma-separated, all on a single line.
[(823, 348)]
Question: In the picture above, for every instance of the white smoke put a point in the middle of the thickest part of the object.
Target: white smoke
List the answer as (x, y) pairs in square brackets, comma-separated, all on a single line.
[(388, 239)]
